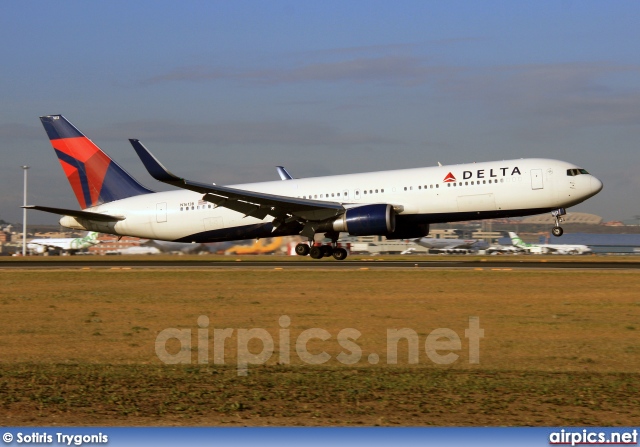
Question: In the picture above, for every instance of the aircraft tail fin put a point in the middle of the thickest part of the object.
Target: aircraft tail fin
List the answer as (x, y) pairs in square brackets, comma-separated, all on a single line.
[(91, 236), (515, 240), (94, 177)]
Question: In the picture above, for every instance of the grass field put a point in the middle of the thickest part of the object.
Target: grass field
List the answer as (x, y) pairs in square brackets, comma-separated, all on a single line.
[(559, 348)]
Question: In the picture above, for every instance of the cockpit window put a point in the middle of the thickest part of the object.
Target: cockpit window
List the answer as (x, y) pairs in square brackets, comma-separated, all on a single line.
[(572, 172)]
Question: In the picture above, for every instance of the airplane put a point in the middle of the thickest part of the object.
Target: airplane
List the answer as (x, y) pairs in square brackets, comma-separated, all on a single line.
[(444, 245), (398, 204), (561, 249), (139, 250), (498, 249), (258, 248), (68, 244)]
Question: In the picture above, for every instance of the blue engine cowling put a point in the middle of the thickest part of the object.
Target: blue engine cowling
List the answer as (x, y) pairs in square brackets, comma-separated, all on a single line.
[(367, 220)]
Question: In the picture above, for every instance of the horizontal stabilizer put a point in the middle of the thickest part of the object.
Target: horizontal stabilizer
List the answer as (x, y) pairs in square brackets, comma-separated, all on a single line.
[(76, 213)]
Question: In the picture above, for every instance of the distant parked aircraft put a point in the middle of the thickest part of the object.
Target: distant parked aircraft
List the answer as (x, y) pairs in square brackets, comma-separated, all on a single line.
[(257, 248), (498, 249), (562, 249), (441, 245), (136, 250), (68, 244)]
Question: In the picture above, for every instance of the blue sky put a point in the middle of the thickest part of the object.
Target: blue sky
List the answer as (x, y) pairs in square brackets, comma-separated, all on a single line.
[(225, 91)]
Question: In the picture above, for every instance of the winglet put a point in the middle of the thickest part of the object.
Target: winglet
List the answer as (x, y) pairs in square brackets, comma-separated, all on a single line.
[(282, 172), (155, 168)]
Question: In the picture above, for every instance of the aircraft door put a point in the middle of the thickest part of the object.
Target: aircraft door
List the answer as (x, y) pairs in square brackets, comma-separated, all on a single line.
[(536, 179), (345, 193), (161, 212), (356, 194)]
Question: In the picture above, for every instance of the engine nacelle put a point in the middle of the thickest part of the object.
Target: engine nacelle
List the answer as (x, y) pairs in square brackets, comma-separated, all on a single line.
[(73, 223), (40, 249), (367, 220), (406, 230)]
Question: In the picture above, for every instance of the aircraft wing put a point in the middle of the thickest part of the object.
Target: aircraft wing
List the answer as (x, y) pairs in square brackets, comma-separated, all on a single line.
[(76, 213), (250, 203)]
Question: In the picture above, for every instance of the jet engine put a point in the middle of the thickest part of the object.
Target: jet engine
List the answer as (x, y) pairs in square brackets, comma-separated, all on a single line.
[(366, 220)]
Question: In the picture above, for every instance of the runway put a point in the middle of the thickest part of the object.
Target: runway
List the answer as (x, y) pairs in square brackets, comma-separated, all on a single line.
[(320, 264)]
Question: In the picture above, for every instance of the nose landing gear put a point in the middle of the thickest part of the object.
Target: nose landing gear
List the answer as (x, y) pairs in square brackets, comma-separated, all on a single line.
[(557, 230)]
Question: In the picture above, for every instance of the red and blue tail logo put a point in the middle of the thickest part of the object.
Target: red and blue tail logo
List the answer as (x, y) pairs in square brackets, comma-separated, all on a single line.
[(93, 176)]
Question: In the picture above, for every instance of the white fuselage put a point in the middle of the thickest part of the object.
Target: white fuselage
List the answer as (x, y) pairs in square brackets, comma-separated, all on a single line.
[(65, 244), (473, 191), (562, 249)]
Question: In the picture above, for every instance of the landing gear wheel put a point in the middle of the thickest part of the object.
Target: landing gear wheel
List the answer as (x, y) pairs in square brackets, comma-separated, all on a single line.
[(316, 252), (302, 249), (326, 251), (340, 254), (557, 215)]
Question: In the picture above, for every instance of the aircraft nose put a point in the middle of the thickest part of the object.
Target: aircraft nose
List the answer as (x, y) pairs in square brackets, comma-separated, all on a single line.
[(596, 185)]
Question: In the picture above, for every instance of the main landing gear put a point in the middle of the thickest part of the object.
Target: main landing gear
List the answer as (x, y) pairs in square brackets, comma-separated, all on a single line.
[(321, 251), (557, 214)]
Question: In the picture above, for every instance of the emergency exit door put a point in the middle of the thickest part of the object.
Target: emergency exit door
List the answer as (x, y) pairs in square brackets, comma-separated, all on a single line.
[(536, 179), (161, 212)]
